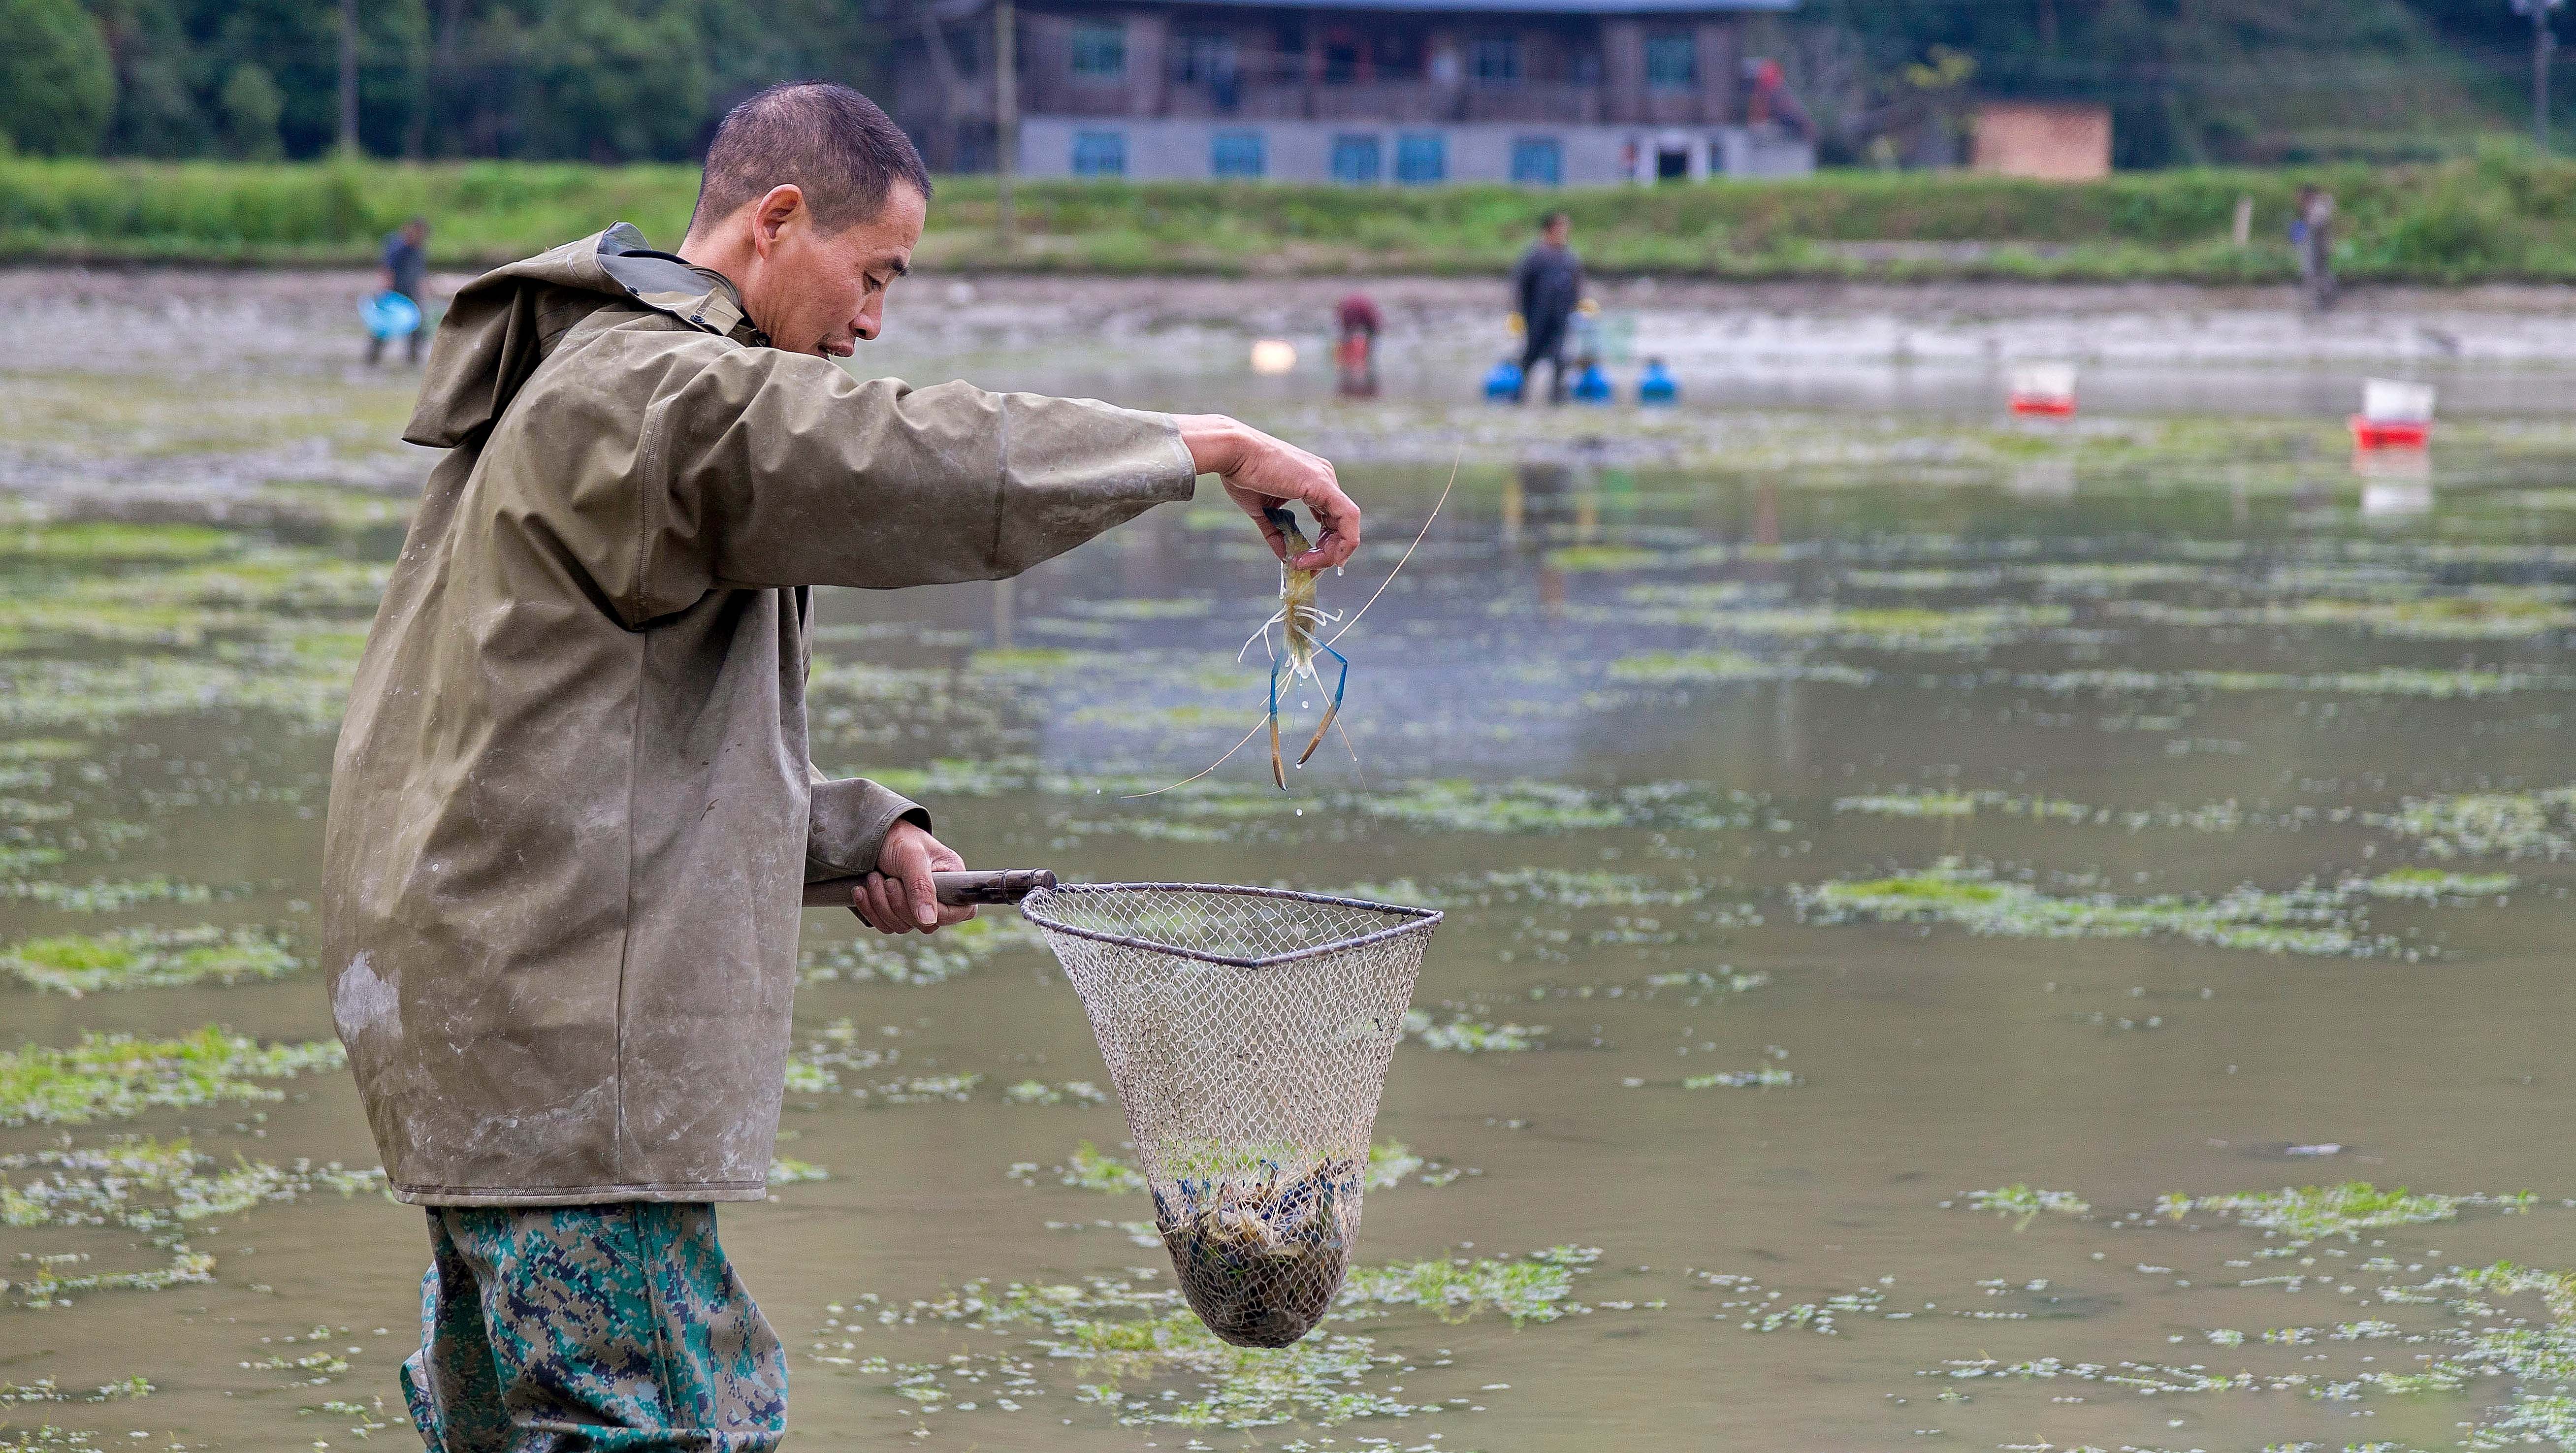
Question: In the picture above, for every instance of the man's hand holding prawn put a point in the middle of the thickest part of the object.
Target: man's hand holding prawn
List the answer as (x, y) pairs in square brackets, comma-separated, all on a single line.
[(1259, 472)]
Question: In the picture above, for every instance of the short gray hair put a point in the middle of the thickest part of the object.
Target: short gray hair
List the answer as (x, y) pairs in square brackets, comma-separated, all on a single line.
[(826, 140)]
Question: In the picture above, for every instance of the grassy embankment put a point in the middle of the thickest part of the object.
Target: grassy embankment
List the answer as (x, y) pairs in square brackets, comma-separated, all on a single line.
[(2505, 215)]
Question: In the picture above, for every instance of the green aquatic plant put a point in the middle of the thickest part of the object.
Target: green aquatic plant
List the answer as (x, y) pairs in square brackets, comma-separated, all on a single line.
[(1390, 1164), (2432, 885), (2487, 1344), (1110, 1334), (157, 1187), (46, 1390), (1459, 805), (2400, 681), (1535, 1288), (955, 950), (2477, 615), (2486, 824), (1768, 1077), (47, 1284), (301, 690), (2023, 1204), (1038, 1092), (94, 542), (43, 749), (1596, 559), (1465, 1035), (2492, 1344), (102, 895), (2301, 921), (1970, 804), (118, 1076), (2302, 1214), (148, 958), (1880, 628), (1524, 806), (1698, 984), (1719, 668), (1091, 1170), (1554, 887)]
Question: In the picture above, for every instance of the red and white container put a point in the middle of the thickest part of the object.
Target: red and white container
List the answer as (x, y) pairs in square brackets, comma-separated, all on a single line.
[(2046, 389), (2395, 414)]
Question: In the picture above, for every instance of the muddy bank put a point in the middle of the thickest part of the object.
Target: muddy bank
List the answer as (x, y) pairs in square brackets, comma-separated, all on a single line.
[(108, 320)]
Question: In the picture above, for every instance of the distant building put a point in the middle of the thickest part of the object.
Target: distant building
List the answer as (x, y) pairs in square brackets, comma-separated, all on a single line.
[(1396, 92), (2055, 142)]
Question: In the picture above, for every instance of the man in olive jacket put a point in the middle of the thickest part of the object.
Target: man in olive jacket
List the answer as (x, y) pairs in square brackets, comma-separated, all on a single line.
[(572, 807)]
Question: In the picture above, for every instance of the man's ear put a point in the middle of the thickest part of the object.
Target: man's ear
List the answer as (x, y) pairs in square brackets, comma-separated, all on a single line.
[(773, 214)]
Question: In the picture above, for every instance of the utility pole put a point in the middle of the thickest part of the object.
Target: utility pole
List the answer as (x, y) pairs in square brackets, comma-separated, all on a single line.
[(349, 78), (1006, 111), (2542, 43)]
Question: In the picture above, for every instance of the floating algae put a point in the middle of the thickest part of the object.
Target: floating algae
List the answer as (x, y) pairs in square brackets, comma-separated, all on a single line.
[(2022, 1204), (147, 958), (1465, 1035), (2306, 920), (117, 1076), (1260, 1250), (2517, 1366), (1111, 1335), (1390, 1162)]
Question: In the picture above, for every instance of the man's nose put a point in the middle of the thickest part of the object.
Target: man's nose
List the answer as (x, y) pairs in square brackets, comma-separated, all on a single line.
[(868, 324)]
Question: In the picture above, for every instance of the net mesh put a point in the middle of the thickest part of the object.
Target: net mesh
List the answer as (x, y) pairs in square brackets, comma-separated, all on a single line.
[(1248, 1031)]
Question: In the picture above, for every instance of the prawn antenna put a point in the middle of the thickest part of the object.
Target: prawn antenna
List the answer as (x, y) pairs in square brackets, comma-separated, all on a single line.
[(1408, 550), (1212, 766)]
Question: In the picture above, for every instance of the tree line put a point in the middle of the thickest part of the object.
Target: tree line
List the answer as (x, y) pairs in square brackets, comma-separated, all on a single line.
[(1889, 81), (596, 80)]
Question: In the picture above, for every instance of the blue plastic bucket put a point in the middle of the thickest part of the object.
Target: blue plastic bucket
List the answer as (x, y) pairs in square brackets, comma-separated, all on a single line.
[(390, 315)]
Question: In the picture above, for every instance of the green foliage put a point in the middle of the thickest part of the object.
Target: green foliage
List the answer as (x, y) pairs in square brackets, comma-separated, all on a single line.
[(617, 82), (251, 106), (56, 86), (582, 79), (2503, 214)]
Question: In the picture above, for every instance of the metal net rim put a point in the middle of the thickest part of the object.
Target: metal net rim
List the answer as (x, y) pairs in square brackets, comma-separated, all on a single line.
[(1418, 920)]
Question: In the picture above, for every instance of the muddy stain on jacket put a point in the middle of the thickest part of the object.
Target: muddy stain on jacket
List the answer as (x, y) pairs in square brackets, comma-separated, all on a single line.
[(572, 802)]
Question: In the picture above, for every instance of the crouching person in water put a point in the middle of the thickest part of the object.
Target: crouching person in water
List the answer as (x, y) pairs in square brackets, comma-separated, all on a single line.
[(572, 807)]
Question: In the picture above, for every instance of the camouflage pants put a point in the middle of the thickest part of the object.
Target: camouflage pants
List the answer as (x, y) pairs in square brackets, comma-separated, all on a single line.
[(590, 1329)]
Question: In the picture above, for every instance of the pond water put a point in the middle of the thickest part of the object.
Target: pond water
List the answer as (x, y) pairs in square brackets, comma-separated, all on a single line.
[(1958, 934)]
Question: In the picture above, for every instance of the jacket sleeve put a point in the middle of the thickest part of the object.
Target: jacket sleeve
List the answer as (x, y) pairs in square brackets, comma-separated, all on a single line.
[(1524, 273), (849, 823), (763, 468)]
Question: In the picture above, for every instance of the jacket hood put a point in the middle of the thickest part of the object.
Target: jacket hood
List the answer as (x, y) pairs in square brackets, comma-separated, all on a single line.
[(501, 326)]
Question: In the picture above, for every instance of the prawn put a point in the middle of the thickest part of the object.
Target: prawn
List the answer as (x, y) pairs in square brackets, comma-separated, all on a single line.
[(1299, 620), (1301, 624)]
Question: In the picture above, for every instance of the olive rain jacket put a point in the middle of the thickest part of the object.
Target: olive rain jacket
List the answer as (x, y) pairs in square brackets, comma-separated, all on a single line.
[(572, 806)]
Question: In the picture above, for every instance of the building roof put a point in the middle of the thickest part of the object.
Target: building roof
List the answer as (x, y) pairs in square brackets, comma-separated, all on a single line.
[(1518, 7)]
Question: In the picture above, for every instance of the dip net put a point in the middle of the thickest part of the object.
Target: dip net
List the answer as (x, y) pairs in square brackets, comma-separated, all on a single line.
[(1248, 1031)]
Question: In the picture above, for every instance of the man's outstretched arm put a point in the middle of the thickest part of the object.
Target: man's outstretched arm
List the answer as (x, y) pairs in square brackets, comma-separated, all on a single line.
[(756, 468)]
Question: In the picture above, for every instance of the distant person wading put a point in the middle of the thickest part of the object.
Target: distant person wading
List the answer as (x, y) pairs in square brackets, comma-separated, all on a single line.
[(1546, 287), (405, 266), (2312, 234)]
